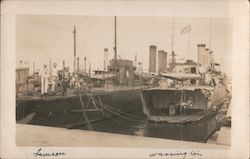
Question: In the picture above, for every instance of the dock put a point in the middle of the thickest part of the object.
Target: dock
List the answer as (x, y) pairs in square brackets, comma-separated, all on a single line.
[(33, 135), (223, 135)]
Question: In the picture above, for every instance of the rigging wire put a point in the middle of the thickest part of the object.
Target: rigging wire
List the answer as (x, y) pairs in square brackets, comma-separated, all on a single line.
[(132, 118)]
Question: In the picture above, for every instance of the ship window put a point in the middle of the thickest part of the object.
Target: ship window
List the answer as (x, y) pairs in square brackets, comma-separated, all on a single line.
[(193, 70), (193, 81)]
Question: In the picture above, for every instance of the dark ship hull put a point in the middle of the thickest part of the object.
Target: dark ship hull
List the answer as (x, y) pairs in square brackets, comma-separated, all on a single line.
[(170, 104), (68, 111)]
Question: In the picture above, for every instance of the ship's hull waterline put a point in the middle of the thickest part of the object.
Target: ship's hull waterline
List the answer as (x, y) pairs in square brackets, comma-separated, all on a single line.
[(67, 111), (163, 105)]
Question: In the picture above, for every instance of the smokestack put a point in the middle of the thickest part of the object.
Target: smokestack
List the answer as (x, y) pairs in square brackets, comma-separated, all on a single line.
[(85, 64), (77, 68), (211, 59), (166, 60), (135, 62), (206, 57), (140, 69), (89, 69), (201, 53), (152, 58), (34, 68), (161, 61), (63, 64), (105, 65)]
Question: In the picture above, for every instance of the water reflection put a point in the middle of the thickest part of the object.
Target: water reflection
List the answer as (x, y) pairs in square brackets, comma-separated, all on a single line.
[(197, 131)]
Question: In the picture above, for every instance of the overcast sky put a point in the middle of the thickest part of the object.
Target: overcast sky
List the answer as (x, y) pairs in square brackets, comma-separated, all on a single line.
[(40, 37)]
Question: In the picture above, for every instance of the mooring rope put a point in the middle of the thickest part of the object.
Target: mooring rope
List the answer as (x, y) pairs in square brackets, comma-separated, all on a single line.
[(132, 118), (123, 116), (121, 123), (142, 121), (124, 113)]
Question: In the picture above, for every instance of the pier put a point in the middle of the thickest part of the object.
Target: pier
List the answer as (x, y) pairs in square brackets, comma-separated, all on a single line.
[(33, 135)]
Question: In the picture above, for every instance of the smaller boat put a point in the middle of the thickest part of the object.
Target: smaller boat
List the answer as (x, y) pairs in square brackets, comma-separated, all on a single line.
[(181, 98)]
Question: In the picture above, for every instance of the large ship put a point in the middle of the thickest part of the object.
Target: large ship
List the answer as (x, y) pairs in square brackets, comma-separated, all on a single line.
[(187, 92), (116, 87), (94, 100)]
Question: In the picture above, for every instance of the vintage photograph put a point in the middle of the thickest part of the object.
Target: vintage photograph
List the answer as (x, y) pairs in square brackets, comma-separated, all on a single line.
[(150, 77), (124, 79)]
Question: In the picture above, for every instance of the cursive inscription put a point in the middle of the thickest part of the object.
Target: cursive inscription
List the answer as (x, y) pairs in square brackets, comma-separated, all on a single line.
[(39, 153), (182, 155)]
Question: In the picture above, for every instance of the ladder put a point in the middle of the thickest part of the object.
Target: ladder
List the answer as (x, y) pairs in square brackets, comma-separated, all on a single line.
[(89, 103)]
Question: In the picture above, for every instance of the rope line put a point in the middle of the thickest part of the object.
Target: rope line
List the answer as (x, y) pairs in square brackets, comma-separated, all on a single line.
[(111, 111)]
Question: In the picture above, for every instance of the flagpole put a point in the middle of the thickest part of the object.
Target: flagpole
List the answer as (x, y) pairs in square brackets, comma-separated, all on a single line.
[(210, 34), (187, 29), (74, 32), (189, 37), (115, 49)]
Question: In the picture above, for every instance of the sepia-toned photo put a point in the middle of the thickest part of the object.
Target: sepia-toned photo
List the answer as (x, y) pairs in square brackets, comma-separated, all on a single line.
[(157, 77), (125, 79)]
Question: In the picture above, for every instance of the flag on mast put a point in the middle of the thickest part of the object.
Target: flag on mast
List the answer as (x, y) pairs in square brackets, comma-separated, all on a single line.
[(186, 29)]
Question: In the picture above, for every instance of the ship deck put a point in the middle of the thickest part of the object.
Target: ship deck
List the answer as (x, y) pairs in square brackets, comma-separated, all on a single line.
[(73, 93), (188, 88)]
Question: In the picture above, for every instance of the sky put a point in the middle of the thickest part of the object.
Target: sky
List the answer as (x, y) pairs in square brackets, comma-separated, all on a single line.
[(40, 37)]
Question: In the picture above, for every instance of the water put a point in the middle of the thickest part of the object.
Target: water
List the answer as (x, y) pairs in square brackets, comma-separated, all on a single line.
[(197, 132), (58, 113)]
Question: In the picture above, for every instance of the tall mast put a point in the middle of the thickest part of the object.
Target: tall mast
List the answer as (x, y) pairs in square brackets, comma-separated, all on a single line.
[(74, 32), (89, 69), (210, 42), (172, 48), (85, 64), (77, 64), (34, 67), (105, 64), (115, 49), (63, 66), (189, 38), (172, 37), (50, 63)]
